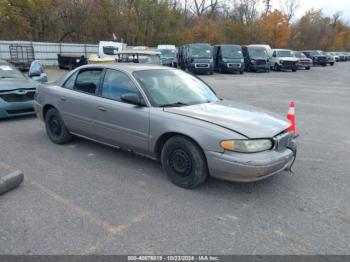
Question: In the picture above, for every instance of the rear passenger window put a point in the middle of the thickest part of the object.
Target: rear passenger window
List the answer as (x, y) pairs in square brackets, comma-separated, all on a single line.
[(87, 81), (116, 84)]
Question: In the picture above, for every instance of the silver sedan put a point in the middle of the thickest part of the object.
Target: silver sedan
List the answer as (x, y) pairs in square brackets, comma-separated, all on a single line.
[(169, 115)]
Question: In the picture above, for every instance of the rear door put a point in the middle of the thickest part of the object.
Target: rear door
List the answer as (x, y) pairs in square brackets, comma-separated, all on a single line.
[(119, 123), (78, 102)]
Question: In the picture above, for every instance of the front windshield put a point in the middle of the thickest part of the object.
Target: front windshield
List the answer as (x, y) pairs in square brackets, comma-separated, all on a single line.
[(284, 53), (257, 52), (231, 52), (201, 51), (174, 87), (313, 53), (7, 71), (168, 52)]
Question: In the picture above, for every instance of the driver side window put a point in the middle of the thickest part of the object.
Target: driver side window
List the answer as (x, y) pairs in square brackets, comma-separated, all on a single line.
[(116, 84)]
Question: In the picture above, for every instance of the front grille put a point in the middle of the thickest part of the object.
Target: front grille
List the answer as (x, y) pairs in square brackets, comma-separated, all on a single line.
[(287, 63), (18, 97), (20, 111), (202, 65), (322, 59), (233, 65), (261, 62), (282, 141)]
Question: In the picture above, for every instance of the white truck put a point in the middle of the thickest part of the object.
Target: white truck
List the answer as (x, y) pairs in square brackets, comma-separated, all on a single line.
[(107, 52), (284, 59)]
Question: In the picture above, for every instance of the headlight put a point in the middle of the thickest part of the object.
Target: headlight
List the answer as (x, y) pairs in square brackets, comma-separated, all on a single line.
[(224, 60), (211, 60), (253, 61), (247, 146), (242, 60)]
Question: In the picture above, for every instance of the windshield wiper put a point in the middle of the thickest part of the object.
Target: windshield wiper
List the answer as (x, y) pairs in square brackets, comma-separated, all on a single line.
[(174, 104)]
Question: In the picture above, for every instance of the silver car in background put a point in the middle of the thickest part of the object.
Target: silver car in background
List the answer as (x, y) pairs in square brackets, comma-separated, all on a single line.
[(169, 115)]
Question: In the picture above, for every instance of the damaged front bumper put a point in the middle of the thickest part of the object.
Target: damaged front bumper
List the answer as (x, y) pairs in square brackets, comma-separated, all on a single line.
[(250, 167)]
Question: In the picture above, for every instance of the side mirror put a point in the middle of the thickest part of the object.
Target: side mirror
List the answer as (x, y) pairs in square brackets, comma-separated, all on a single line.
[(42, 78), (132, 98), (36, 69)]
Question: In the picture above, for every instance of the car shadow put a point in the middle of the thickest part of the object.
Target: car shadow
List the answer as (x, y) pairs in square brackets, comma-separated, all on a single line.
[(17, 118), (155, 173)]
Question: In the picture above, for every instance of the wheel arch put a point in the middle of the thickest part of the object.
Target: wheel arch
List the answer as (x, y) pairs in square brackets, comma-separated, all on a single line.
[(166, 136), (46, 108)]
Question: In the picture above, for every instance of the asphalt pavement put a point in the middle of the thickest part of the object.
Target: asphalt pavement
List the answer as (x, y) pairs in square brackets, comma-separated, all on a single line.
[(86, 198)]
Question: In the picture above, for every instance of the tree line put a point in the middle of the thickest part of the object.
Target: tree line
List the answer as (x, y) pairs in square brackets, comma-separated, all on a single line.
[(152, 22)]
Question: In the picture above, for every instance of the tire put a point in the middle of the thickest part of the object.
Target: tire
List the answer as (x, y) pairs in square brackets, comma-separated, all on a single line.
[(276, 67), (241, 72), (294, 70), (332, 64), (184, 162), (55, 128), (307, 68)]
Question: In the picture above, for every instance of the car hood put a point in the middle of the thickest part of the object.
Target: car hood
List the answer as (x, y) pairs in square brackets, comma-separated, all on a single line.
[(9, 84), (246, 120)]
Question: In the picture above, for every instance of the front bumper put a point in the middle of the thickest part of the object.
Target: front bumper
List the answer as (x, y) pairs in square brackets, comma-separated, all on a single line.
[(232, 67), (256, 68), (241, 167), (15, 109), (304, 64)]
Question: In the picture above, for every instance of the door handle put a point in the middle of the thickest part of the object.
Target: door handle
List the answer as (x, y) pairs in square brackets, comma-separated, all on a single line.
[(63, 98), (101, 108)]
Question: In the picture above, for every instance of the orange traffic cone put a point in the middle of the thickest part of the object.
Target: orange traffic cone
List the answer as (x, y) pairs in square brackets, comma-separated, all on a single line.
[(291, 117)]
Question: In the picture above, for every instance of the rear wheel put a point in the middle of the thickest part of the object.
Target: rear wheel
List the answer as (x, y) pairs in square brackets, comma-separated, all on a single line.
[(184, 162), (55, 128)]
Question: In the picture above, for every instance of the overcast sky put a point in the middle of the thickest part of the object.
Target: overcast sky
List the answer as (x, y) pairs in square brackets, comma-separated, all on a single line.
[(328, 6)]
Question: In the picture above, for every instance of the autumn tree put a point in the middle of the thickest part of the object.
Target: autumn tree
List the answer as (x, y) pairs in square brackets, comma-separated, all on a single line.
[(275, 29)]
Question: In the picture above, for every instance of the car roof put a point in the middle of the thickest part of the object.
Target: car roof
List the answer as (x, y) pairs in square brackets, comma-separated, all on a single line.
[(281, 49), (129, 67)]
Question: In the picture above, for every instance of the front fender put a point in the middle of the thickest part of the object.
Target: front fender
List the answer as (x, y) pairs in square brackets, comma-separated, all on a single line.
[(207, 135)]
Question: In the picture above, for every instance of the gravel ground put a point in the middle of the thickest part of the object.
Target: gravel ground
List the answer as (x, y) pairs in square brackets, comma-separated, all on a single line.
[(86, 198)]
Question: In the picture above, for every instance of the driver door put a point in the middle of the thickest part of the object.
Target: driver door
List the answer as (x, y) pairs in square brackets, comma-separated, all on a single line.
[(118, 123)]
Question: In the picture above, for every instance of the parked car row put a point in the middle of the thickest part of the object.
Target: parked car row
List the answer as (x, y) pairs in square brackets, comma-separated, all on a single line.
[(202, 58)]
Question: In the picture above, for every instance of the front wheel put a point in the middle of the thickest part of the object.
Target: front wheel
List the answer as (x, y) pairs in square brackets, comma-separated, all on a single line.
[(332, 64), (307, 68), (55, 128), (277, 67), (184, 162)]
